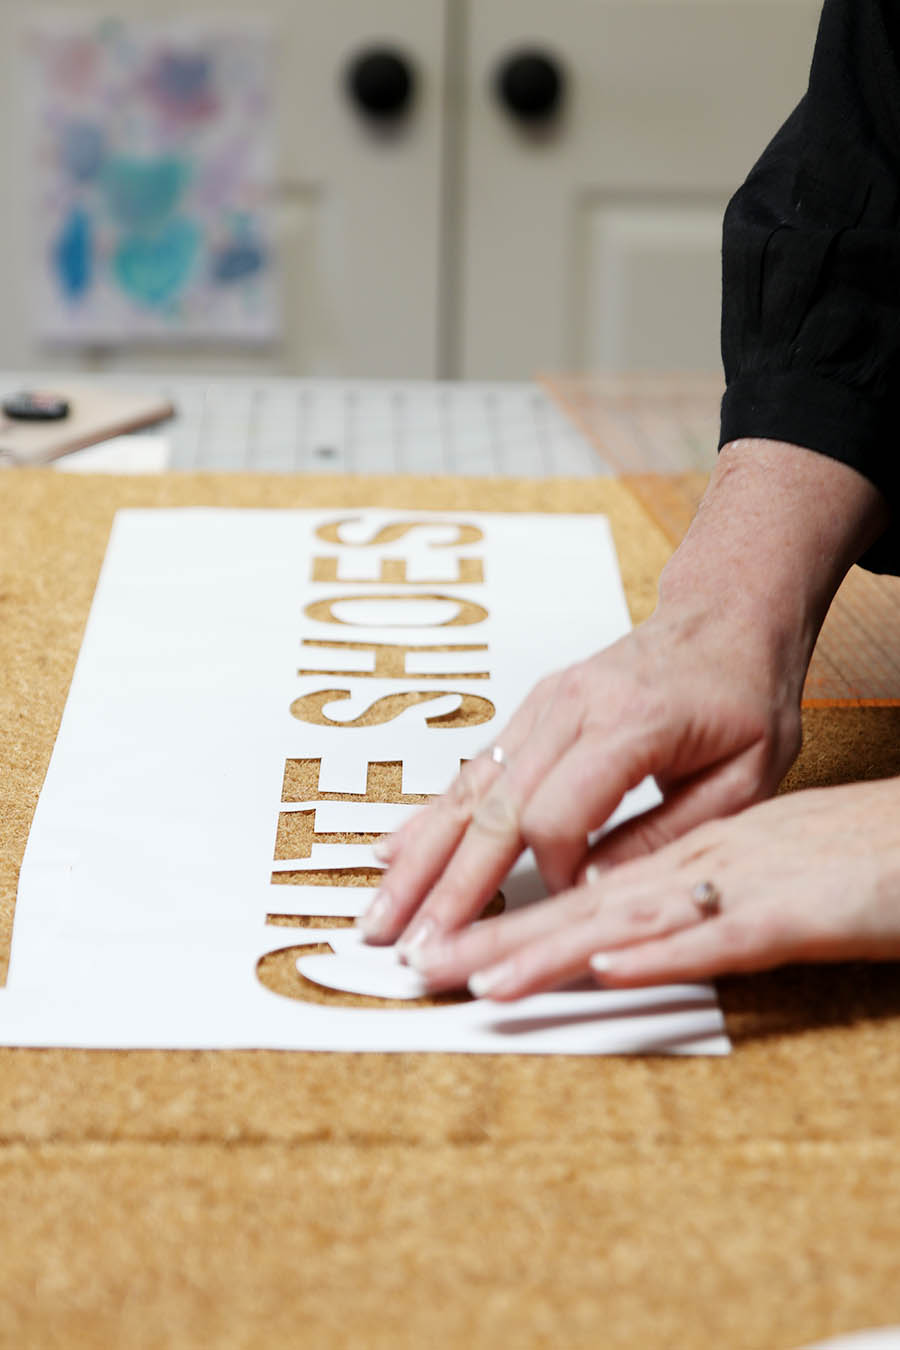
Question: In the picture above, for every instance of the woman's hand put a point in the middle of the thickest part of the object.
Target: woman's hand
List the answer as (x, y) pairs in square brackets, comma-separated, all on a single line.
[(811, 876), (705, 697)]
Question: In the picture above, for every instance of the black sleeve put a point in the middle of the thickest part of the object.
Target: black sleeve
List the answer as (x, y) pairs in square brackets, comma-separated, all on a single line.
[(811, 265)]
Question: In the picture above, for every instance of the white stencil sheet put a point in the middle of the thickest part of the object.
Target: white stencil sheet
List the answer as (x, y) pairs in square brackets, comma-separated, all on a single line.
[(147, 885)]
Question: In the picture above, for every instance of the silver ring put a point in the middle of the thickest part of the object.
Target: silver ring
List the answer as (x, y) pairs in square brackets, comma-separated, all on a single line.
[(499, 756), (707, 899)]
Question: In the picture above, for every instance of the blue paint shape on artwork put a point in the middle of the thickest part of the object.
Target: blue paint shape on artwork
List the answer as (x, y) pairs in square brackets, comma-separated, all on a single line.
[(140, 193), (237, 261), (82, 150), (72, 253), (153, 268)]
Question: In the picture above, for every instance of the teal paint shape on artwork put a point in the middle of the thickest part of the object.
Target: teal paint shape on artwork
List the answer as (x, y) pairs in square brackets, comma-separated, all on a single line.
[(141, 193), (153, 268), (73, 254)]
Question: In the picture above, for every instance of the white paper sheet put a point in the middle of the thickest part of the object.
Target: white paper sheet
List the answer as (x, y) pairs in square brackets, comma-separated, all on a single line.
[(881, 1338), (148, 877)]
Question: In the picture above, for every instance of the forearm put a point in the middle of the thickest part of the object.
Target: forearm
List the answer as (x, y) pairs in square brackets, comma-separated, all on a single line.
[(777, 530)]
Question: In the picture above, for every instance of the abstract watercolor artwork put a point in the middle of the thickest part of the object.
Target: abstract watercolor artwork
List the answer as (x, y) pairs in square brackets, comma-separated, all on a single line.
[(151, 147)]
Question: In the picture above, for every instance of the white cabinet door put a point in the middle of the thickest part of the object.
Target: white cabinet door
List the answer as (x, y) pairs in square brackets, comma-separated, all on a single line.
[(360, 204), (594, 242), (357, 207)]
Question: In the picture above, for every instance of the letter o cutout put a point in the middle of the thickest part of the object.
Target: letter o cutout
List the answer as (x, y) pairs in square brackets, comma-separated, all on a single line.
[(467, 611)]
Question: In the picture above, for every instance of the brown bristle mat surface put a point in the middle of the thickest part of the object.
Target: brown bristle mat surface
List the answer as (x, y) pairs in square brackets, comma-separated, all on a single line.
[(240, 1200)]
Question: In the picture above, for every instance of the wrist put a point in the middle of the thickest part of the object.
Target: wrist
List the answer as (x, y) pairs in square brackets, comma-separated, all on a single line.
[(777, 530)]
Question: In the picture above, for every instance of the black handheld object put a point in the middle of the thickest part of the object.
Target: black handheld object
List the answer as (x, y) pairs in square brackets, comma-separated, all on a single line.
[(35, 406)]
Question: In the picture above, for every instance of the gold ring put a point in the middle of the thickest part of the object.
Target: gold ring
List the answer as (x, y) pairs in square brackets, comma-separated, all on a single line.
[(707, 899)]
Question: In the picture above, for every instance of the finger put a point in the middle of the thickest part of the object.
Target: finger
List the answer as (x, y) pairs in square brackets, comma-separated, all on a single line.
[(721, 790), (581, 792), (728, 945), (510, 740), (390, 845), (747, 939), (493, 839), (428, 841), (485, 853), (448, 961), (541, 957)]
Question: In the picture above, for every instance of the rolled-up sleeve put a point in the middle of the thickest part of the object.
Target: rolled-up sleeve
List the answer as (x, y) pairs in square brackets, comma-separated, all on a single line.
[(811, 265)]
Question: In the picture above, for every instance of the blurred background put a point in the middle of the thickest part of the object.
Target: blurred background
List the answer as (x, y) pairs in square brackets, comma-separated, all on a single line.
[(435, 189)]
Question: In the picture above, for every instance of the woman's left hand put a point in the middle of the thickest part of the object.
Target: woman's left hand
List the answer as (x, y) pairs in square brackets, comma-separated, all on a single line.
[(809, 876)]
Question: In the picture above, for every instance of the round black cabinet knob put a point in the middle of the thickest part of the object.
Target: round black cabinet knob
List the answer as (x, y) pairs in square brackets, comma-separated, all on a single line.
[(381, 82), (530, 85)]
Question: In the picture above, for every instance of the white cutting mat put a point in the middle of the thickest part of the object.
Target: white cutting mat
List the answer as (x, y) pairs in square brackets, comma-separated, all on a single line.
[(285, 425)]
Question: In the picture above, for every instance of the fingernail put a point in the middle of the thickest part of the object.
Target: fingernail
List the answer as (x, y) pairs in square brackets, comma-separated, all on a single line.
[(424, 956), (485, 982), (373, 916), (601, 964), (384, 848), (410, 946)]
